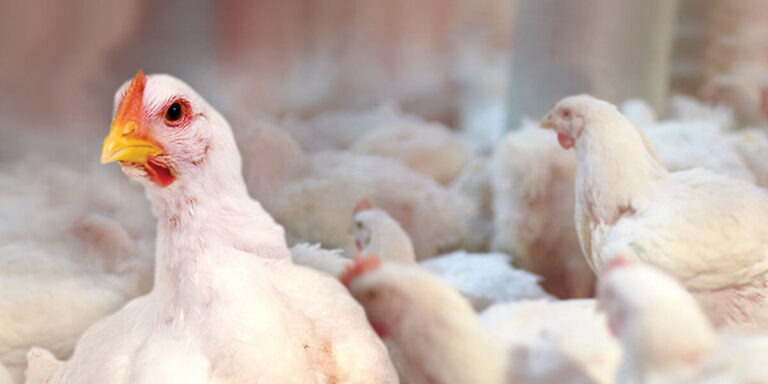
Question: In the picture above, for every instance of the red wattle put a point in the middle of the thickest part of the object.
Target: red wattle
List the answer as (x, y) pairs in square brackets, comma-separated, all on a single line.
[(565, 141), (158, 173)]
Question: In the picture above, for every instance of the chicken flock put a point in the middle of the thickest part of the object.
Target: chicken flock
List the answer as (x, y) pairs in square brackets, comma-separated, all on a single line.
[(600, 245)]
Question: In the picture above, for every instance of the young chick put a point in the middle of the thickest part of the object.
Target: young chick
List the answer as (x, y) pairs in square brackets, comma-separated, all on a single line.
[(433, 333), (699, 226), (226, 306)]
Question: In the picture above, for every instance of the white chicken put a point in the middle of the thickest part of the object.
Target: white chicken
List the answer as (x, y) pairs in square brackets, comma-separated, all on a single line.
[(433, 334), (228, 305), (701, 227), (312, 194), (667, 339), (484, 279), (532, 181), (474, 182), (533, 184), (555, 342), (427, 148)]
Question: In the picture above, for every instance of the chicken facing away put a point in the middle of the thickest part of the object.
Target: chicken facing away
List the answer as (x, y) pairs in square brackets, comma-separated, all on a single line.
[(666, 336), (228, 305), (482, 278), (703, 228)]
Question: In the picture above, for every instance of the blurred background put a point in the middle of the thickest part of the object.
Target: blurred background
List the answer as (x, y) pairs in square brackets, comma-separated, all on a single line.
[(477, 66)]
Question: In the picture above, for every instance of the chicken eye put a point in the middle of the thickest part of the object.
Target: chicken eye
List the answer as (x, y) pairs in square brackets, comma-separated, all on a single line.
[(173, 113), (359, 225), (566, 113)]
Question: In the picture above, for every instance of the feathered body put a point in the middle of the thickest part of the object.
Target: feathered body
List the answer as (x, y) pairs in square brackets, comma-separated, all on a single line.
[(427, 148), (681, 348), (228, 305), (434, 334), (71, 251), (312, 194), (554, 342), (701, 227), (483, 278), (532, 180)]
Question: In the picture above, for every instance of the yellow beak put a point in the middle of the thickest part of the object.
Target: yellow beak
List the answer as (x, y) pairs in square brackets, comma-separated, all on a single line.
[(547, 123), (119, 145)]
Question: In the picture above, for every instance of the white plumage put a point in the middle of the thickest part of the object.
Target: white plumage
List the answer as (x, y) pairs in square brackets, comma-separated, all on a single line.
[(482, 278), (532, 181), (701, 227), (667, 339), (433, 333), (226, 306), (312, 194), (76, 245), (427, 148), (551, 342)]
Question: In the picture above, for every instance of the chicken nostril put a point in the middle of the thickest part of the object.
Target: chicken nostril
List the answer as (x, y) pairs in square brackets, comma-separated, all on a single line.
[(128, 128)]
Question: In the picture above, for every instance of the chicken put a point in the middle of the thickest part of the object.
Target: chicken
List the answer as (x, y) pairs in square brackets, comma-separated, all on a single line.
[(57, 258), (554, 342), (433, 333), (311, 195), (683, 348), (532, 181), (427, 148), (225, 306), (701, 227), (638, 301), (483, 279), (533, 185), (474, 182)]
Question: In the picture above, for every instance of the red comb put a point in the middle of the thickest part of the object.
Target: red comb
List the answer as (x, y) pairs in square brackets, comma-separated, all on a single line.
[(360, 266), (130, 106), (363, 205), (619, 261)]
